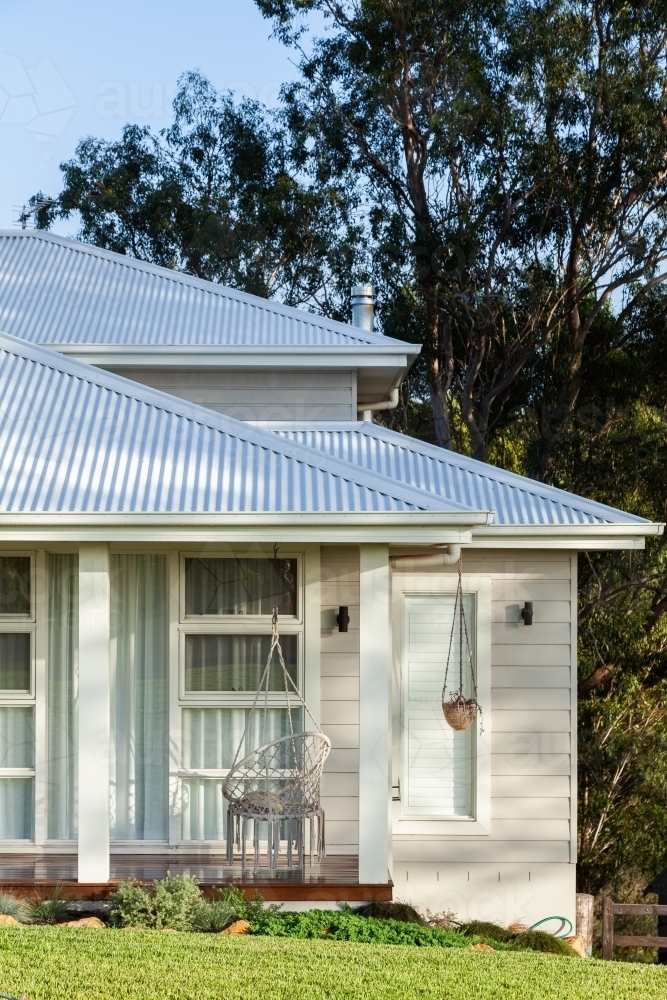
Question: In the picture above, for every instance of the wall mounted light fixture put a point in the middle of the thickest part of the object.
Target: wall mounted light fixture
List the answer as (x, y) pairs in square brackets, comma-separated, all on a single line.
[(342, 618), (527, 613)]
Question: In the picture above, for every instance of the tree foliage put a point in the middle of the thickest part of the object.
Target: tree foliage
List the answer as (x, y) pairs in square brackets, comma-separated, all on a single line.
[(513, 157), (215, 195)]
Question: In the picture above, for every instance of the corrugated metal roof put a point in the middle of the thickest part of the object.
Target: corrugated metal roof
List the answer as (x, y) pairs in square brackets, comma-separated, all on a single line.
[(56, 291), (74, 439), (514, 499)]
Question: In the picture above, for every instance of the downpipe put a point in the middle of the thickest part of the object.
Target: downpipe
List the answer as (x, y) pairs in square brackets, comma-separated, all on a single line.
[(445, 555), (368, 409)]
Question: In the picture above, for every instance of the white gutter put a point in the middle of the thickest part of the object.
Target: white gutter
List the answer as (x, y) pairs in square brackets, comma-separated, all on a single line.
[(368, 409), (445, 555)]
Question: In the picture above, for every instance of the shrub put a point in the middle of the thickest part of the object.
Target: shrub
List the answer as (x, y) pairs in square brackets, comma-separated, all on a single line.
[(541, 941), (391, 911), (517, 938), (131, 906), (349, 926), (175, 902), (51, 909), (485, 929), (15, 906), (442, 918), (214, 916)]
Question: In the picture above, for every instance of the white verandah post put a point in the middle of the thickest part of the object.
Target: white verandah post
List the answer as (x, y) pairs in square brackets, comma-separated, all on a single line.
[(374, 715), (94, 712)]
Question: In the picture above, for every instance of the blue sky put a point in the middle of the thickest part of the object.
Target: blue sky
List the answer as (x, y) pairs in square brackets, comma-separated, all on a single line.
[(70, 68)]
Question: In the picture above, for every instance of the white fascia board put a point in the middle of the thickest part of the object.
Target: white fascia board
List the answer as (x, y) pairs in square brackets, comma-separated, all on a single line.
[(272, 356), (581, 537), (402, 532)]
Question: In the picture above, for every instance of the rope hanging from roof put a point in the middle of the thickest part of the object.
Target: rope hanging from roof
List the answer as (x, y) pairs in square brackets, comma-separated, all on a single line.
[(460, 712)]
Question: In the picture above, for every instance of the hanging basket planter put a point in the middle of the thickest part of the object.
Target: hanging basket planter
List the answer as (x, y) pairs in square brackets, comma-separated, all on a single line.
[(460, 712)]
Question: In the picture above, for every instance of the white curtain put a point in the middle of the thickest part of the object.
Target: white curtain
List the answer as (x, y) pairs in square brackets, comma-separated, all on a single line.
[(139, 697), (17, 743), (210, 740), (62, 695), (16, 808)]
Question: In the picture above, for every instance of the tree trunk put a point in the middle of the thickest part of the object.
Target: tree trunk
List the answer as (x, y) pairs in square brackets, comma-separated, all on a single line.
[(439, 374)]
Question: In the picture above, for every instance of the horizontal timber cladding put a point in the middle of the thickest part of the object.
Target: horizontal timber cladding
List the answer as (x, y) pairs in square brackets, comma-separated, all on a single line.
[(530, 718), (448, 849), (339, 705), (258, 395)]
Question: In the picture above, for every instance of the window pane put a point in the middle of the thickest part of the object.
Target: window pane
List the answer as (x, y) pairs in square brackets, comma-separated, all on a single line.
[(211, 735), (16, 798), (14, 585), (236, 662), (240, 586), (204, 811), (17, 737), (14, 661)]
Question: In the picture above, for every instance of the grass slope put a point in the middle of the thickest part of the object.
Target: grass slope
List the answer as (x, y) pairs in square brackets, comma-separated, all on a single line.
[(50, 963)]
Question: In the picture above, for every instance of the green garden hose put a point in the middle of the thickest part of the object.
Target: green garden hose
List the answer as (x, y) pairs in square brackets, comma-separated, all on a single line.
[(563, 931)]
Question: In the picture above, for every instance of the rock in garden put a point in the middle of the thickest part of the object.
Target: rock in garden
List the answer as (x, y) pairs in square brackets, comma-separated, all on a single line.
[(577, 943), (9, 921), (86, 922), (238, 927)]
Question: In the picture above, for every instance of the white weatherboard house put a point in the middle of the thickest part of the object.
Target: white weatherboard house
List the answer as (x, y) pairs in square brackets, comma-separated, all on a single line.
[(159, 435)]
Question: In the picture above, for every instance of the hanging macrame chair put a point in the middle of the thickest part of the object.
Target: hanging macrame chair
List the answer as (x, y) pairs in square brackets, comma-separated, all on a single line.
[(460, 711), (279, 782)]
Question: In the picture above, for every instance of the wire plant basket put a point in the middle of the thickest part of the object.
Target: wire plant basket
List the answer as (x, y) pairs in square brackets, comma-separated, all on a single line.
[(460, 711)]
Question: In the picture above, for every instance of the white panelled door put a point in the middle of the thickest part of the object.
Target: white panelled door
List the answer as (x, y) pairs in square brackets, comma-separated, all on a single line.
[(437, 762)]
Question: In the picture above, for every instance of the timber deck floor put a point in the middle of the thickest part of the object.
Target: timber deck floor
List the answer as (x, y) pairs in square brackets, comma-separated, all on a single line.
[(335, 878)]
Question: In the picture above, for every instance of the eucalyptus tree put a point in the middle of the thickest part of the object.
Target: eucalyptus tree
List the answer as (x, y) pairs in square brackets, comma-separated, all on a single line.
[(512, 160), (216, 195)]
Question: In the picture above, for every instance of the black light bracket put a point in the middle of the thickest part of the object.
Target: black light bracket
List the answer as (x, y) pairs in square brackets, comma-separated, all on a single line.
[(527, 613), (343, 618)]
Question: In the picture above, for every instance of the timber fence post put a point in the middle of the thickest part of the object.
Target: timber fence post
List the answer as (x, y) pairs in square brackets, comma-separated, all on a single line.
[(608, 929), (584, 927)]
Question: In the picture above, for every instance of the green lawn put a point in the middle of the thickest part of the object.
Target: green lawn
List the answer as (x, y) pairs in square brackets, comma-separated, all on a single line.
[(63, 964)]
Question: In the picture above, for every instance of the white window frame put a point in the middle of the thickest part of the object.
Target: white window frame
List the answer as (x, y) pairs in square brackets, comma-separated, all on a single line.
[(24, 699), (13, 628), (300, 624), (30, 617), (432, 585), (214, 620)]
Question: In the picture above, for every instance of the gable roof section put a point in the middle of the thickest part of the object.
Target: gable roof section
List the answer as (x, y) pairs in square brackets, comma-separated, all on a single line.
[(517, 502), (79, 442), (56, 291)]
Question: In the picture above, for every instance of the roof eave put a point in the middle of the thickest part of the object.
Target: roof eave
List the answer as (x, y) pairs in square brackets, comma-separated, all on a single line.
[(581, 537), (243, 355), (424, 528)]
